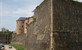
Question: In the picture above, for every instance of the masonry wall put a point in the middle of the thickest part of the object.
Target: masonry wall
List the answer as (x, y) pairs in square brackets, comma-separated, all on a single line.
[(18, 39), (19, 27), (67, 17), (39, 32), (25, 26)]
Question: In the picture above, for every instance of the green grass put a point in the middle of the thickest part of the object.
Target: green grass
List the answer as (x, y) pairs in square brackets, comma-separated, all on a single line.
[(18, 46)]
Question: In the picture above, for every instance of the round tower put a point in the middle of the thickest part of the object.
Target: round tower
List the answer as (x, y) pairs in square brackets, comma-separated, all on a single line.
[(20, 25)]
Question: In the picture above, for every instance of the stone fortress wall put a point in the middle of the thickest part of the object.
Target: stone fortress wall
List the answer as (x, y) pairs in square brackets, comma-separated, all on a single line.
[(39, 31), (67, 21), (60, 18)]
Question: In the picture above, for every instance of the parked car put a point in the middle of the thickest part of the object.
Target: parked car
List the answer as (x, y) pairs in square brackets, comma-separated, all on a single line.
[(10, 46), (1, 46)]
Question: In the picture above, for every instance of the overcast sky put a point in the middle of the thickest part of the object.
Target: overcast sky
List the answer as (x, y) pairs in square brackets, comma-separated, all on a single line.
[(11, 10)]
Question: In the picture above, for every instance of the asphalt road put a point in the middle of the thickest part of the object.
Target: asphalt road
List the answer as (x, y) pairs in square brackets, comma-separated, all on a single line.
[(7, 48)]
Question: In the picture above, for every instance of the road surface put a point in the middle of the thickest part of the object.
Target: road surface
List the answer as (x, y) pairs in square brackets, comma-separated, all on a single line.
[(7, 48)]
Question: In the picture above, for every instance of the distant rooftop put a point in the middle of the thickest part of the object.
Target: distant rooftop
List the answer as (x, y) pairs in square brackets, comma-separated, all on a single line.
[(22, 18)]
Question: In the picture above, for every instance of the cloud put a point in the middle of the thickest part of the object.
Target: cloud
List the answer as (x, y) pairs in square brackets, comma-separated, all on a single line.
[(17, 12), (24, 11), (8, 16), (11, 10)]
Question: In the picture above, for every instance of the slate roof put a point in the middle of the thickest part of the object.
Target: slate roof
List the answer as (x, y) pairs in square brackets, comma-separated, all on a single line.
[(22, 18)]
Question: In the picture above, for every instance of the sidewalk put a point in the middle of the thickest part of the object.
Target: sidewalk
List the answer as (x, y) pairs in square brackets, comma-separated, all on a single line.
[(7, 48)]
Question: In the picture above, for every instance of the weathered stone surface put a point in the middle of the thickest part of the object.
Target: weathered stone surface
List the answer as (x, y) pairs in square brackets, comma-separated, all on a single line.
[(18, 39), (67, 16), (39, 32), (20, 25), (66, 23)]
